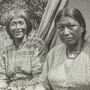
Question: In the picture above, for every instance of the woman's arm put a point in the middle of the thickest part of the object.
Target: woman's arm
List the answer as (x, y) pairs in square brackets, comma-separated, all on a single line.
[(38, 59), (42, 81), (3, 78)]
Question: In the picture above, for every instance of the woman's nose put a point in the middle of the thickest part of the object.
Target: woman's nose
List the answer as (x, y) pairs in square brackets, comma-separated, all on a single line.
[(18, 26), (66, 31)]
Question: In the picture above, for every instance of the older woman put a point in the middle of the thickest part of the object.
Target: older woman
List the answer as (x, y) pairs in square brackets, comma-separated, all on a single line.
[(68, 66), (22, 60)]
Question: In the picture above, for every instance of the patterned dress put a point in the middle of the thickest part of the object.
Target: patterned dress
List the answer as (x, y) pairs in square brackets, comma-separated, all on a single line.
[(62, 73), (21, 66)]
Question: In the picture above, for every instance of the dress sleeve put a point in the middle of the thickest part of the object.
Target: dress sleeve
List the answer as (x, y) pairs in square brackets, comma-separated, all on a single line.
[(38, 59), (43, 81)]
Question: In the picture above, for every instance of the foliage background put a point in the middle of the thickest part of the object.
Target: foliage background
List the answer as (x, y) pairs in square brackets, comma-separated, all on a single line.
[(35, 8)]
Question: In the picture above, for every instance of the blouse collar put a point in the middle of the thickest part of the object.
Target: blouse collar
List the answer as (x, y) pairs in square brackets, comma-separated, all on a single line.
[(25, 39)]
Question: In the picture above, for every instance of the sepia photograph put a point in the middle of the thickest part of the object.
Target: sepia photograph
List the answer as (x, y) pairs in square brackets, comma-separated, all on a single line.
[(44, 45)]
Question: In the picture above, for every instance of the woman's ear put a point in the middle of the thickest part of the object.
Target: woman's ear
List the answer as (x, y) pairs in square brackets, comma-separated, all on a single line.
[(82, 29)]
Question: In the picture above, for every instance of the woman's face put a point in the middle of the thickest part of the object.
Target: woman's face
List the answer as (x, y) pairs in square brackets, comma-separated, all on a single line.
[(69, 30), (18, 27)]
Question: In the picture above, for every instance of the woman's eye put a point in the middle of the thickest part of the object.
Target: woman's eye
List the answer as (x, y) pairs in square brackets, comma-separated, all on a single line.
[(21, 23), (13, 24), (60, 27), (72, 25)]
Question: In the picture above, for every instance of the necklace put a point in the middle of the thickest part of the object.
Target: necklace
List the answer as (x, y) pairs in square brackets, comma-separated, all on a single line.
[(72, 54)]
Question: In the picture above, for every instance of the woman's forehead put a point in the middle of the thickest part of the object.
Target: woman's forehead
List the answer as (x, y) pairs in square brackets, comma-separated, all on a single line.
[(18, 19), (17, 16), (66, 19)]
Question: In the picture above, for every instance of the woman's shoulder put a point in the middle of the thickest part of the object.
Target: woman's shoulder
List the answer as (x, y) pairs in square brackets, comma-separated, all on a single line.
[(56, 50), (54, 54), (86, 46), (8, 44), (37, 44), (7, 47), (36, 41)]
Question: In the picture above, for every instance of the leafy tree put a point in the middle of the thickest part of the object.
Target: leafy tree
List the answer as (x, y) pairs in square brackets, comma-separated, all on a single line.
[(35, 7)]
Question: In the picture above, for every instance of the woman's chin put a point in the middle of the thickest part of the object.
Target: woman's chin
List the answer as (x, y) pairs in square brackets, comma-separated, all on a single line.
[(70, 43), (18, 36)]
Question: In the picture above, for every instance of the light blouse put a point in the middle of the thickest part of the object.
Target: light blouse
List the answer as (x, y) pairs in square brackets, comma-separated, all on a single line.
[(21, 66), (62, 73)]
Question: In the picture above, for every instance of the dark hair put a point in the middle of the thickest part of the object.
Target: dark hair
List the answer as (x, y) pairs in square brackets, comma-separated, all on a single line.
[(18, 13), (75, 14)]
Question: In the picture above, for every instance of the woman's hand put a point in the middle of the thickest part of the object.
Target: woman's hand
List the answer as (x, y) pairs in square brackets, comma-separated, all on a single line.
[(3, 86), (30, 88), (39, 87), (12, 88)]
